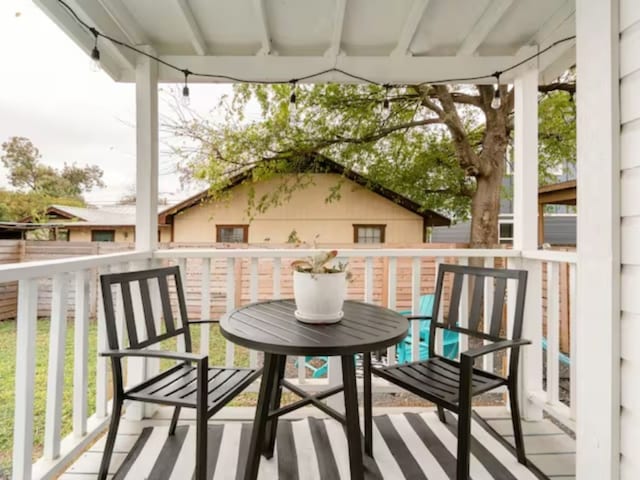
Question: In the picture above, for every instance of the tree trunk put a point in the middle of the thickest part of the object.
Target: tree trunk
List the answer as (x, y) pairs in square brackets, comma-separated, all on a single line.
[(485, 207)]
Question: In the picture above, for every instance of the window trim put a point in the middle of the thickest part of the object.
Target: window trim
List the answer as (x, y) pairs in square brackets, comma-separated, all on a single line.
[(245, 232), (380, 226), (102, 230)]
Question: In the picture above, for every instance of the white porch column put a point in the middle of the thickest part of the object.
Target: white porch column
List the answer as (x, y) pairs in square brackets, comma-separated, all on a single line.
[(598, 277), (146, 153), (146, 232), (525, 231)]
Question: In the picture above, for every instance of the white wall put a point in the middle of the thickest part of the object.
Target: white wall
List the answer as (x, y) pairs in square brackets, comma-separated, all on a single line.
[(630, 237)]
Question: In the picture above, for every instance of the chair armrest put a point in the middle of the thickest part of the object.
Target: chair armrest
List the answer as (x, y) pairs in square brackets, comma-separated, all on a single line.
[(196, 322), (189, 357), (419, 317), (494, 347)]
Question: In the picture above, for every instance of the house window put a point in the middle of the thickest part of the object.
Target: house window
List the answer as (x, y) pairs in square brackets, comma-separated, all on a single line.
[(103, 235), (368, 233), (232, 233), (506, 232)]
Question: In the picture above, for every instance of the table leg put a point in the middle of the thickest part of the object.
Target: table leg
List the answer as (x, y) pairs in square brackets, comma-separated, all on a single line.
[(274, 404), (262, 410), (351, 413), (366, 373)]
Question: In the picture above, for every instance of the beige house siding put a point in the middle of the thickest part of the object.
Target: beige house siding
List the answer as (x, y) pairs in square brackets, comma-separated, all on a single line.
[(306, 212), (122, 234)]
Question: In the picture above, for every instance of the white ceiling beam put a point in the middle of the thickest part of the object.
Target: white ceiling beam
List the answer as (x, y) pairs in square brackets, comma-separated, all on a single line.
[(82, 38), (265, 38), (416, 12), (121, 16), (197, 39), (482, 28), (565, 13), (383, 69), (338, 24)]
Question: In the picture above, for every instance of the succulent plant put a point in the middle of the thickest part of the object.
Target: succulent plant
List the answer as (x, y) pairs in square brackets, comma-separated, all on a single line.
[(319, 263)]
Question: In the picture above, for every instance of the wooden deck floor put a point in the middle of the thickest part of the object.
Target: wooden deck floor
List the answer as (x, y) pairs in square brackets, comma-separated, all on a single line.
[(550, 448)]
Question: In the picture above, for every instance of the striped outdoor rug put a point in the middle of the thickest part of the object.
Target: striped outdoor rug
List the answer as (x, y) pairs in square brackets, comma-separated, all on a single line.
[(412, 446)]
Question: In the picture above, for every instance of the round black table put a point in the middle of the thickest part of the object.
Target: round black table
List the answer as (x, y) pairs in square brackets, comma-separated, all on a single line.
[(271, 327)]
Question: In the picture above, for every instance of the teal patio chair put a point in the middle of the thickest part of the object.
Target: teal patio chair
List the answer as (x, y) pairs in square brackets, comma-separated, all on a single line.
[(403, 349)]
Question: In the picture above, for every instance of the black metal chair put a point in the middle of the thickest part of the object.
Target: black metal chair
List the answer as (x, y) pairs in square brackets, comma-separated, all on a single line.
[(190, 383), (450, 383)]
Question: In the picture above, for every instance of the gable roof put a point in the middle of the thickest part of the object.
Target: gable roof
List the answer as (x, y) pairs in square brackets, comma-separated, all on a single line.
[(114, 215), (320, 164)]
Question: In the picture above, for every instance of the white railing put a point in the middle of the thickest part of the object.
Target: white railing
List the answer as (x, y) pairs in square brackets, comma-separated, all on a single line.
[(393, 277)]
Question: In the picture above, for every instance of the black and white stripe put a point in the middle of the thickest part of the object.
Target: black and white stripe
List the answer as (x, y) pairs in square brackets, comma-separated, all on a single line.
[(412, 446)]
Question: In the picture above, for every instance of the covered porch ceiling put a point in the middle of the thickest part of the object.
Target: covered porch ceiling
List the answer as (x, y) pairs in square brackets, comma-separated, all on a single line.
[(383, 41)]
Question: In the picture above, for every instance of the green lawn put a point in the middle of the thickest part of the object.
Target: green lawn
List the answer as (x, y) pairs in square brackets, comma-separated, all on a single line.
[(7, 379)]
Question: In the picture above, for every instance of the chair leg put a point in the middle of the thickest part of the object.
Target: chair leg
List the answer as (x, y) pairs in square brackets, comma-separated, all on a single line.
[(201, 447), (464, 443), (368, 410), (441, 416), (174, 421), (111, 439), (517, 426)]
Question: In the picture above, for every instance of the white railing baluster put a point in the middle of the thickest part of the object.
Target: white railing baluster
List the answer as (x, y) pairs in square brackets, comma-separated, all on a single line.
[(81, 354), (392, 283), (25, 378), (572, 337), (205, 305), (231, 304), (55, 381), (415, 306), (277, 277), (368, 279), (101, 362), (439, 340), (253, 297), (553, 333), (463, 314), (487, 360)]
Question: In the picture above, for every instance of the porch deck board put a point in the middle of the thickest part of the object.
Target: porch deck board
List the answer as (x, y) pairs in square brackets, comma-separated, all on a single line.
[(548, 447)]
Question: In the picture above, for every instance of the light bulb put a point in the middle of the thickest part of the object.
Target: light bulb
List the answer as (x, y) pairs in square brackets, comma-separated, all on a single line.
[(186, 99), (496, 102), (293, 108), (95, 60)]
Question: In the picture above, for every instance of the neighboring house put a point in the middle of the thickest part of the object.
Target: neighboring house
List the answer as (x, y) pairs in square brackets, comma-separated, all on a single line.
[(364, 213), (91, 224), (556, 227)]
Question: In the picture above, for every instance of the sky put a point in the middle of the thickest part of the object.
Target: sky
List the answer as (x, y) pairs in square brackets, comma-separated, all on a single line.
[(50, 95)]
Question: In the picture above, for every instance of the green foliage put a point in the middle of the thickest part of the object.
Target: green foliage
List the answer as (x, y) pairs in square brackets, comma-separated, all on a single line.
[(557, 135), (16, 206), (27, 173)]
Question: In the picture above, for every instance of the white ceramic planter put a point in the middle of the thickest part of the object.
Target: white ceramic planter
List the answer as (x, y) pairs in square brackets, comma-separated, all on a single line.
[(319, 296)]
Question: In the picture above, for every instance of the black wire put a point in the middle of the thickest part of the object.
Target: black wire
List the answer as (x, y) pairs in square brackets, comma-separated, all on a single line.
[(115, 41)]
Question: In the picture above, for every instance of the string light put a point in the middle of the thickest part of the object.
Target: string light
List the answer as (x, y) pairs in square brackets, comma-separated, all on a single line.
[(95, 55), (496, 102), (186, 100), (292, 102)]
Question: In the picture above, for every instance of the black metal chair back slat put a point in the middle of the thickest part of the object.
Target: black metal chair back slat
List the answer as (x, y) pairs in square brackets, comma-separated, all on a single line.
[(182, 385), (499, 293), (451, 383), (475, 315)]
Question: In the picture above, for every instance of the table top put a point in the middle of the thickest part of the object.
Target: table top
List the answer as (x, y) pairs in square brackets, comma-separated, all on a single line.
[(271, 327)]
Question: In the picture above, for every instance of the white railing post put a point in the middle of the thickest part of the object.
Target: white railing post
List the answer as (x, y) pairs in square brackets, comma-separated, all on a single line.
[(392, 283), (231, 303), (101, 362), (81, 354), (368, 279), (553, 333), (25, 378), (253, 297), (486, 314), (415, 306), (55, 381), (205, 305)]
